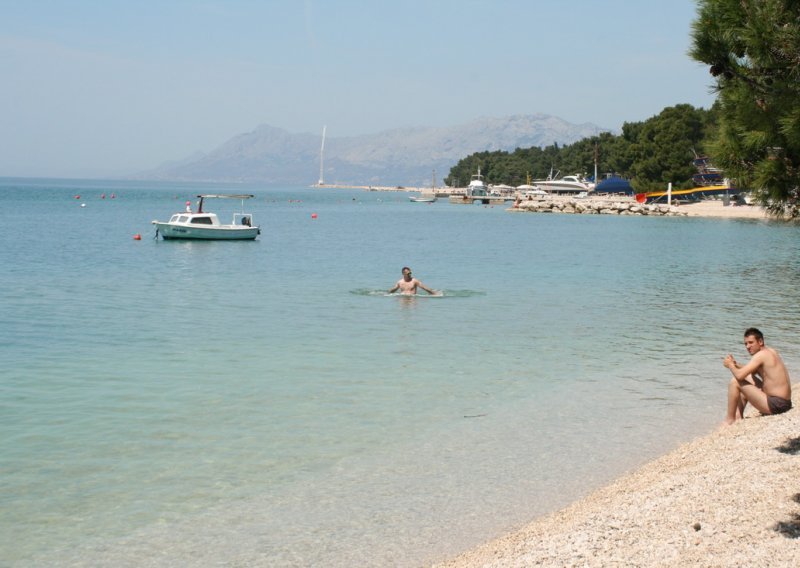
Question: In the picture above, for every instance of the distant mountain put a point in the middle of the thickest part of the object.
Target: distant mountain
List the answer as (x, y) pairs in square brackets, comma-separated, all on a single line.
[(404, 156)]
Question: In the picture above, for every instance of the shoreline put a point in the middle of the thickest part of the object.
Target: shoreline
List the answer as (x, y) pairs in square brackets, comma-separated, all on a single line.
[(715, 208), (706, 208), (729, 498)]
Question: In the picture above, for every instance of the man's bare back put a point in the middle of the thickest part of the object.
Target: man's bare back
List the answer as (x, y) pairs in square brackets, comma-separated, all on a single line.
[(774, 375)]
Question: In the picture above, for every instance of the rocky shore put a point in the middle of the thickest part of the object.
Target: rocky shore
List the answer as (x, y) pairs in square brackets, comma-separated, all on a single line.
[(729, 499), (707, 208), (596, 206)]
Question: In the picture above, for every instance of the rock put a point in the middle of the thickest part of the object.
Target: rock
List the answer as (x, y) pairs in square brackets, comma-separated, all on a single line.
[(598, 206)]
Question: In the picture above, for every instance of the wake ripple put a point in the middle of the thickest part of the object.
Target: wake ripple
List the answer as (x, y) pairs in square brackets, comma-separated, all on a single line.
[(440, 294)]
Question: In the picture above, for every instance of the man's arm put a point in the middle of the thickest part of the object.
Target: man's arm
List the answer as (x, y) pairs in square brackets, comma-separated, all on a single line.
[(396, 287), (428, 290), (741, 372)]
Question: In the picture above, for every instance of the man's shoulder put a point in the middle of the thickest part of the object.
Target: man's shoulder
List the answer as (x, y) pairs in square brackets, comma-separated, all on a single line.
[(761, 356), (767, 355)]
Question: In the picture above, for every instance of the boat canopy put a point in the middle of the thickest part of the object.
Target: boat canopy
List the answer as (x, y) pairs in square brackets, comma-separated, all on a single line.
[(222, 196)]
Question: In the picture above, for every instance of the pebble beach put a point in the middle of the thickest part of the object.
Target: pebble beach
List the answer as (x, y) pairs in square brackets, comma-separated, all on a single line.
[(731, 498), (715, 208)]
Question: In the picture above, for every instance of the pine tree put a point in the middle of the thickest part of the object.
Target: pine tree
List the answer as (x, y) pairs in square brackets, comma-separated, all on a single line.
[(752, 48)]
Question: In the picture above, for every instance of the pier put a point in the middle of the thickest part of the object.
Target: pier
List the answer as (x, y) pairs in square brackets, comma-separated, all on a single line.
[(482, 199)]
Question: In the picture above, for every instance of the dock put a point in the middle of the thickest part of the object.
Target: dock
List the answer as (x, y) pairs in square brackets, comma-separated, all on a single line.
[(482, 199)]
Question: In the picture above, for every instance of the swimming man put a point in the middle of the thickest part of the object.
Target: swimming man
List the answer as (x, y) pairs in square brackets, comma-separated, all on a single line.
[(408, 285), (763, 382)]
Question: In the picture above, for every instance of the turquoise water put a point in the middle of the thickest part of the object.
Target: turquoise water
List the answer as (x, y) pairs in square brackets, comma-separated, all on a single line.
[(265, 403)]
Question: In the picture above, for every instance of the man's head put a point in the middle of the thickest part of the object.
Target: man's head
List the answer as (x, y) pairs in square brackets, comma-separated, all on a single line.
[(406, 273), (753, 340)]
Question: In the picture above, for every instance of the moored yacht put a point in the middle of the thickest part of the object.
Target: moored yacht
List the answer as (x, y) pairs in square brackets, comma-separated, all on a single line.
[(477, 187), (201, 225)]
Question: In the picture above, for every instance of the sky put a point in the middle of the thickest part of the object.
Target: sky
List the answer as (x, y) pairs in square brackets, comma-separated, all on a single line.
[(104, 88)]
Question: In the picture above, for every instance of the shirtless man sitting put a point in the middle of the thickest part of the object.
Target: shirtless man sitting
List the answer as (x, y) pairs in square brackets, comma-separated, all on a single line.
[(408, 285), (763, 381)]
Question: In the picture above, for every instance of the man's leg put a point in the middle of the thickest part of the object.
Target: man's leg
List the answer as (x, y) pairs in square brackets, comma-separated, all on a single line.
[(736, 402), (739, 394)]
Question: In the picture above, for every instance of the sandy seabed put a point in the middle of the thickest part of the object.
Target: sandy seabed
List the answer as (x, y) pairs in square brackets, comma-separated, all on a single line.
[(731, 498)]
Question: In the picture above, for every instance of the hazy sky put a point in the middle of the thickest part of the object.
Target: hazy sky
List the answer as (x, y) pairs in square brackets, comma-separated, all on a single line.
[(106, 87)]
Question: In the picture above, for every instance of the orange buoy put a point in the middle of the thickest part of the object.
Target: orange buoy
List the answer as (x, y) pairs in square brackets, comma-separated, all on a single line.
[(137, 237)]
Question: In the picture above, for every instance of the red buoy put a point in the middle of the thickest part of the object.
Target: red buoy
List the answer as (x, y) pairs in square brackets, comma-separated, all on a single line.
[(137, 237), (313, 215)]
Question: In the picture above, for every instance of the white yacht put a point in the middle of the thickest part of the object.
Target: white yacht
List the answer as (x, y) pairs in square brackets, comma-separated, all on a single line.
[(565, 185), (477, 187)]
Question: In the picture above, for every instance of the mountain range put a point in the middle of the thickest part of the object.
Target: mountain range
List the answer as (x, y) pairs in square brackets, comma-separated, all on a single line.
[(404, 157)]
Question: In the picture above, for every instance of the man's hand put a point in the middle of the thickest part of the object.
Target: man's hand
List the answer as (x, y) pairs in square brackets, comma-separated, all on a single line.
[(729, 362)]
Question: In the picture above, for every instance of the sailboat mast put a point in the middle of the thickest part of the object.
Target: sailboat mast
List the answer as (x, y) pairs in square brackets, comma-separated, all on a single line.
[(322, 157)]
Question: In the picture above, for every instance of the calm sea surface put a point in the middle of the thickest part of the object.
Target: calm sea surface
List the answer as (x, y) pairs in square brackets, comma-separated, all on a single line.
[(266, 404)]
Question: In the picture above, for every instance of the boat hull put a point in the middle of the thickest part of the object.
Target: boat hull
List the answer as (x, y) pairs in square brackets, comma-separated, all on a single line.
[(566, 185), (556, 187), (170, 231)]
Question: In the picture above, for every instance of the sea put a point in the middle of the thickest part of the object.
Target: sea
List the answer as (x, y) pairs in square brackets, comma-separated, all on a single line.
[(267, 403)]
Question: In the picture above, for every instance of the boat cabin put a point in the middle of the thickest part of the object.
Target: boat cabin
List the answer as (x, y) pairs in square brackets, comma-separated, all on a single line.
[(243, 219), (195, 218)]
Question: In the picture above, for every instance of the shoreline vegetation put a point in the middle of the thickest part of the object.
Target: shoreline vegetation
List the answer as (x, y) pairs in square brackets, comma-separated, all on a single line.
[(730, 498)]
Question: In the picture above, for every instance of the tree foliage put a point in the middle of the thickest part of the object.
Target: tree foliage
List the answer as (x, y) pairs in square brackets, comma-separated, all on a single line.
[(650, 154), (752, 48)]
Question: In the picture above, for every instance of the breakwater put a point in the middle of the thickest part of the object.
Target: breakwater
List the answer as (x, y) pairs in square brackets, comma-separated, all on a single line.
[(596, 206)]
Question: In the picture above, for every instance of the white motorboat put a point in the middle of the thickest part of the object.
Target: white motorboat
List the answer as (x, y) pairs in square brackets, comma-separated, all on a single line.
[(531, 193), (501, 190), (566, 185), (424, 196), (527, 187), (477, 187), (201, 225)]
